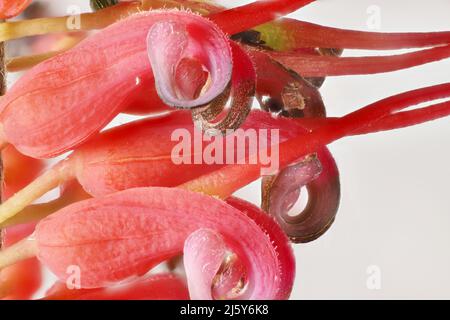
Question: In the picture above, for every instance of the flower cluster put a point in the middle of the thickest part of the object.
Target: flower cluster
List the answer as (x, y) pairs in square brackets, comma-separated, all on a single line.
[(125, 205)]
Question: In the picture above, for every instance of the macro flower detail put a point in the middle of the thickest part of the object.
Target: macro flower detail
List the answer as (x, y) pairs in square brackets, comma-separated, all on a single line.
[(161, 187)]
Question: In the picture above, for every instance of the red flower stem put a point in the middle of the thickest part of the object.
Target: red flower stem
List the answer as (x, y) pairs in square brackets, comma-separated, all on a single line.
[(224, 182), (321, 66), (56, 176), (408, 118), (248, 16), (390, 122), (365, 116), (310, 35)]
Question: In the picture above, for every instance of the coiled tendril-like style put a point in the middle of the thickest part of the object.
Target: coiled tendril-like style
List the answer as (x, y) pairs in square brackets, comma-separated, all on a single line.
[(319, 174)]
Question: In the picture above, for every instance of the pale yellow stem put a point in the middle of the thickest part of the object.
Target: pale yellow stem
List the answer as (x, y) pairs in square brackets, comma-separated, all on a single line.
[(46, 182), (26, 62), (88, 21), (19, 251), (33, 213), (37, 212)]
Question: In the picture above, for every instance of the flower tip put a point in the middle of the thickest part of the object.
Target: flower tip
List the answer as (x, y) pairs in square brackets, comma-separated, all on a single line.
[(186, 36)]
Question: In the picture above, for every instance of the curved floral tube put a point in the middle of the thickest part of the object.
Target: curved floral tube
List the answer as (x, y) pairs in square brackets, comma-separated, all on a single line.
[(137, 233), (24, 117), (289, 34), (129, 167), (291, 149), (328, 52), (50, 93), (40, 114), (320, 176), (319, 66), (283, 35), (143, 156), (155, 287), (222, 183), (165, 151), (239, 19), (135, 163), (391, 122), (231, 249)]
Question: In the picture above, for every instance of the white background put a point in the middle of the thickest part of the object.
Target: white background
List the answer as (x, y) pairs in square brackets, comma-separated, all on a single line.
[(395, 209)]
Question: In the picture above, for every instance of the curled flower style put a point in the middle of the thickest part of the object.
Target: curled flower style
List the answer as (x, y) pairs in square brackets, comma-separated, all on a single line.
[(320, 176)]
